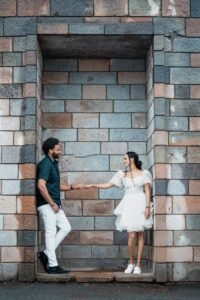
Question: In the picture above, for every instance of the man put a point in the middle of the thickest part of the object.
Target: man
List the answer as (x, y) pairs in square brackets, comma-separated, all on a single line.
[(49, 205)]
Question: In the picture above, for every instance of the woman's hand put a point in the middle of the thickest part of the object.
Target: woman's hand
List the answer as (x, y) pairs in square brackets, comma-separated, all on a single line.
[(79, 186), (147, 212)]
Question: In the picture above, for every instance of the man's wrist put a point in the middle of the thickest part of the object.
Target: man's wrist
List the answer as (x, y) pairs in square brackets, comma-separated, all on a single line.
[(52, 205)]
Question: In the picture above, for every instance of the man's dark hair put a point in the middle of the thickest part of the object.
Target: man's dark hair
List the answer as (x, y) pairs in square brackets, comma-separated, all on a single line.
[(49, 144)]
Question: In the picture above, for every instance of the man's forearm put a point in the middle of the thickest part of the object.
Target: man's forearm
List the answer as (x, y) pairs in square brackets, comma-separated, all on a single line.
[(46, 196), (66, 187)]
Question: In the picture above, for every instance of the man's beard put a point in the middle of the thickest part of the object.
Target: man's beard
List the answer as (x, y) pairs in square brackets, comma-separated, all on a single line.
[(55, 156)]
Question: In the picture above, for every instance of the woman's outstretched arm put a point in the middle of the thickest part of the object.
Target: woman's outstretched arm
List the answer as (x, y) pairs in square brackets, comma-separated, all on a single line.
[(106, 185)]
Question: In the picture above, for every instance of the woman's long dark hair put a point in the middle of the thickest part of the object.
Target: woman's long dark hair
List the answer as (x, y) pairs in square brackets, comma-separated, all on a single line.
[(135, 156)]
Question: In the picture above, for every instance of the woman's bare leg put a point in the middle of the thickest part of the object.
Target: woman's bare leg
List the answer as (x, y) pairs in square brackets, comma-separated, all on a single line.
[(140, 247), (132, 236)]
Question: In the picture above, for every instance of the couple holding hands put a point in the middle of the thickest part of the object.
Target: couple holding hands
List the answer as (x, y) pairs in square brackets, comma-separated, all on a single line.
[(133, 212)]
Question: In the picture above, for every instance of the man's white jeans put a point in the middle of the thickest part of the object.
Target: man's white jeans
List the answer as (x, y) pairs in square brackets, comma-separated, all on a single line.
[(53, 237)]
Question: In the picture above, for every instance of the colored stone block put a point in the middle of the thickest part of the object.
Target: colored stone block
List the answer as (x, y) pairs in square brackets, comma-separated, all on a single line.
[(108, 8), (20, 26), (72, 8), (142, 8)]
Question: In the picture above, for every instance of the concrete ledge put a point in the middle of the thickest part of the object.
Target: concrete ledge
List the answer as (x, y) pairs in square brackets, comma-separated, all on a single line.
[(96, 276)]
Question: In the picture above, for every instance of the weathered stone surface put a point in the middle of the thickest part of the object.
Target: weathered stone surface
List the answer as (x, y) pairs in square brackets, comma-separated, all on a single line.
[(112, 193), (186, 238), (55, 120), (177, 59), (86, 28), (113, 147), (93, 78), (193, 223), (5, 44), (188, 44), (12, 59), (192, 27), (94, 91), (61, 134), (171, 187), (174, 254), (8, 238), (10, 123), (128, 135), (96, 237), (97, 162), (182, 91), (33, 8), (176, 9), (142, 8), (129, 28), (8, 171), (82, 223), (127, 65), (138, 92), (115, 120), (118, 92), (185, 75), (186, 205), (8, 271), (53, 106), (105, 223), (163, 205), (18, 154), (88, 106), (18, 187), (185, 171), (168, 25), (129, 106), (58, 65), (20, 26), (95, 208), (184, 138), (186, 272), (8, 8), (8, 204), (62, 91), (194, 123), (82, 148), (10, 91), (72, 8), (87, 120), (76, 251), (92, 135), (195, 8), (105, 251), (108, 8), (26, 238)]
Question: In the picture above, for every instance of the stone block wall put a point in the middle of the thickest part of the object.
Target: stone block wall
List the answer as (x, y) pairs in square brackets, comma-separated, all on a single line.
[(97, 108), (172, 99)]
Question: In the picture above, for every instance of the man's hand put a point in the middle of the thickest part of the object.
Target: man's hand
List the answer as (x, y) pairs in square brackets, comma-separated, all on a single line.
[(55, 208)]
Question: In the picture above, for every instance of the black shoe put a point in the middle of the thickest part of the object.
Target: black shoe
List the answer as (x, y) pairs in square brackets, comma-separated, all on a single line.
[(43, 258), (57, 270)]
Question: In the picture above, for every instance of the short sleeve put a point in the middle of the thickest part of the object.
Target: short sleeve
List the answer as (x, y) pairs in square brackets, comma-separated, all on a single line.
[(43, 170), (117, 179), (147, 177)]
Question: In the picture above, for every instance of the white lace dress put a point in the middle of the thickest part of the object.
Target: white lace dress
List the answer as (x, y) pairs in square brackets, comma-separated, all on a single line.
[(130, 211)]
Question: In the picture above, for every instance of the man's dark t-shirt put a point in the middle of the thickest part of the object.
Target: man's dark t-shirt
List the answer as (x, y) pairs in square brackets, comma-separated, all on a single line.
[(48, 170)]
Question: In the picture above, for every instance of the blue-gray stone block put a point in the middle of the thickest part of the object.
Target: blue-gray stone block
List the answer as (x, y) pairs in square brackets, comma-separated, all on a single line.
[(193, 222), (18, 154), (76, 251), (185, 171), (29, 123), (82, 148), (12, 59), (1, 26), (19, 26), (158, 42), (186, 271), (188, 44), (10, 91), (161, 74), (19, 43), (131, 135), (171, 123), (118, 92), (171, 187), (81, 223), (186, 238), (26, 238), (120, 238), (53, 105), (118, 120), (31, 74), (61, 91), (61, 134), (195, 8), (93, 77), (182, 91), (17, 107), (138, 91), (185, 76), (138, 147), (97, 162), (8, 238), (18, 187), (112, 193), (31, 42), (168, 25), (86, 28), (65, 64), (19, 75), (133, 65), (101, 251), (130, 106), (185, 107), (131, 28), (160, 106), (105, 223), (49, 20), (72, 8), (8, 171), (30, 106), (159, 58), (177, 59)]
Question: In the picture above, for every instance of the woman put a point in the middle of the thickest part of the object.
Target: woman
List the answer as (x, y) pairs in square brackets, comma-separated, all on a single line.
[(133, 212)]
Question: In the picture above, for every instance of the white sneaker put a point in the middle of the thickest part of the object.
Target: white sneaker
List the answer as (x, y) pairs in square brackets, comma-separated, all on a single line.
[(129, 269), (137, 270)]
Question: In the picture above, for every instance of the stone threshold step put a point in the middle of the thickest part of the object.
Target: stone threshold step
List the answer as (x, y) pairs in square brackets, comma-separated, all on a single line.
[(96, 276)]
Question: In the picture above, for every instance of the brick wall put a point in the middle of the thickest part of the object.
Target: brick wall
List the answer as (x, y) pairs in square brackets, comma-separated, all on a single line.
[(172, 138)]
